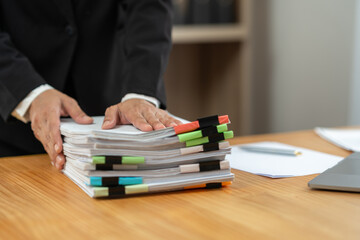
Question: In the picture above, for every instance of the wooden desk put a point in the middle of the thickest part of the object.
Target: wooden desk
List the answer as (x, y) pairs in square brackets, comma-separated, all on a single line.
[(36, 201)]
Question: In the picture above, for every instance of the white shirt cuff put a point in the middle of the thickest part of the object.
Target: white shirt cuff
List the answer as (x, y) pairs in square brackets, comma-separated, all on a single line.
[(21, 110), (140, 96)]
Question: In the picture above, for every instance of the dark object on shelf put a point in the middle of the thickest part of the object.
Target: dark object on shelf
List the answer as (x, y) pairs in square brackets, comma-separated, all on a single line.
[(204, 11), (200, 12), (181, 9), (223, 11)]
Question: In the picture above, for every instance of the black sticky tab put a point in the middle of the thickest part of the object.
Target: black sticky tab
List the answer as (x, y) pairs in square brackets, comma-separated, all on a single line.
[(117, 191), (216, 138), (209, 166), (209, 131), (209, 121), (211, 147), (104, 167), (113, 160), (110, 181), (213, 185)]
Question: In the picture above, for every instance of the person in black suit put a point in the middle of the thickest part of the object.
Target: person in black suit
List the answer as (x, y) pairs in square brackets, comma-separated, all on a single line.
[(58, 55)]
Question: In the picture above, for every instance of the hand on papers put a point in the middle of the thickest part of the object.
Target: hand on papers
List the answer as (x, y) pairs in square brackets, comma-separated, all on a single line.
[(142, 114), (45, 112)]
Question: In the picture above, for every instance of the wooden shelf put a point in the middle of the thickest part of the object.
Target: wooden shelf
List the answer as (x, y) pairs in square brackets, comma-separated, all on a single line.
[(208, 33), (209, 70)]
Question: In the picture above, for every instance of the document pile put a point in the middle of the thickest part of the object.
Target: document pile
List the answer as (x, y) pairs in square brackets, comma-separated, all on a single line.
[(125, 161)]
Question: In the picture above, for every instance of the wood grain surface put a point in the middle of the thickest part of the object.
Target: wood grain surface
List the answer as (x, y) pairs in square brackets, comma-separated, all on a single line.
[(38, 202)]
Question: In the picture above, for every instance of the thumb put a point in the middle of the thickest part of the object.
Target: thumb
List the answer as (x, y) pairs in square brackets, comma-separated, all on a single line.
[(111, 117), (75, 112)]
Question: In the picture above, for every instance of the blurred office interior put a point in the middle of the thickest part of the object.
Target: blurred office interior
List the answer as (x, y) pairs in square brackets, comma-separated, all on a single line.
[(272, 65)]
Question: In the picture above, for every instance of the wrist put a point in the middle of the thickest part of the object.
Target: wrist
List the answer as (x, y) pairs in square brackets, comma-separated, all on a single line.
[(149, 99), (21, 111)]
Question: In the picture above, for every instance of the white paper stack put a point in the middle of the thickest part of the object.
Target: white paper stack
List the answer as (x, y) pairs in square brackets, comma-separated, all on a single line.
[(124, 160)]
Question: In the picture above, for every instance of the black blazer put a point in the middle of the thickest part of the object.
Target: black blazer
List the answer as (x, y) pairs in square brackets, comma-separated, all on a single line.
[(95, 51)]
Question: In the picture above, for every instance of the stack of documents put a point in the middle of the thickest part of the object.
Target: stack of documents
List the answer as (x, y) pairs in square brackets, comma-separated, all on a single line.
[(125, 161)]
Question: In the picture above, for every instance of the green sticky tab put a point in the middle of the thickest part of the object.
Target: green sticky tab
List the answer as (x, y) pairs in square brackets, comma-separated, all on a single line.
[(197, 141), (198, 134), (98, 159), (101, 191), (133, 160), (203, 140), (229, 134), (96, 181), (222, 128), (190, 135), (138, 188)]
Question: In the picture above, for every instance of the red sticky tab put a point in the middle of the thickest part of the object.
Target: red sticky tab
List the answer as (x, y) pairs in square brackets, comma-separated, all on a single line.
[(187, 127), (223, 119)]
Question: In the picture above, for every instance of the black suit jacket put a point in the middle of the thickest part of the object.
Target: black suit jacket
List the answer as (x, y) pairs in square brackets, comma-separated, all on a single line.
[(95, 51)]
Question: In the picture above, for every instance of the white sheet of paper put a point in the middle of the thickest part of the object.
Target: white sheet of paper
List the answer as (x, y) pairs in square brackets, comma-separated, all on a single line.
[(278, 166), (69, 126), (348, 139)]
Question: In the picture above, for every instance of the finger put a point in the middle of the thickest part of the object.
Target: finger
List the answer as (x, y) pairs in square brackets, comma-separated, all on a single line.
[(139, 121), (75, 112), (49, 151), (49, 146), (58, 146), (153, 120), (111, 117), (35, 128), (54, 131), (122, 117), (41, 132), (177, 122), (60, 161), (166, 119)]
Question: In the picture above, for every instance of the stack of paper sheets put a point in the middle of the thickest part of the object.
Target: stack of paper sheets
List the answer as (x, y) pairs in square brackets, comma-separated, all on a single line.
[(125, 161)]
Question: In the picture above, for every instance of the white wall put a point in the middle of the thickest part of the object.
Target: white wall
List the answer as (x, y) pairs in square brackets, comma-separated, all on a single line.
[(354, 109), (309, 56)]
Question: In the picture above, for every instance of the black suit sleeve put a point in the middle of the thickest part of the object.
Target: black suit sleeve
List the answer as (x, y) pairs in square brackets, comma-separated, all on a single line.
[(147, 46), (17, 76)]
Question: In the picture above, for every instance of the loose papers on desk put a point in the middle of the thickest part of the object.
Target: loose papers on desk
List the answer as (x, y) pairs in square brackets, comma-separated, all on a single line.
[(278, 166), (348, 139), (124, 160)]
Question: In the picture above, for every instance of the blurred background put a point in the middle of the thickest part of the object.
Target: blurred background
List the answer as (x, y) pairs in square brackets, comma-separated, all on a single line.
[(272, 65)]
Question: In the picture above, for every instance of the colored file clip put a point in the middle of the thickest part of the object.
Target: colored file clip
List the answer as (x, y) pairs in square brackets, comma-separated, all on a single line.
[(201, 123), (205, 148), (104, 166), (122, 191), (205, 166), (202, 133), (117, 160), (115, 181), (209, 185), (119, 191), (210, 139)]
